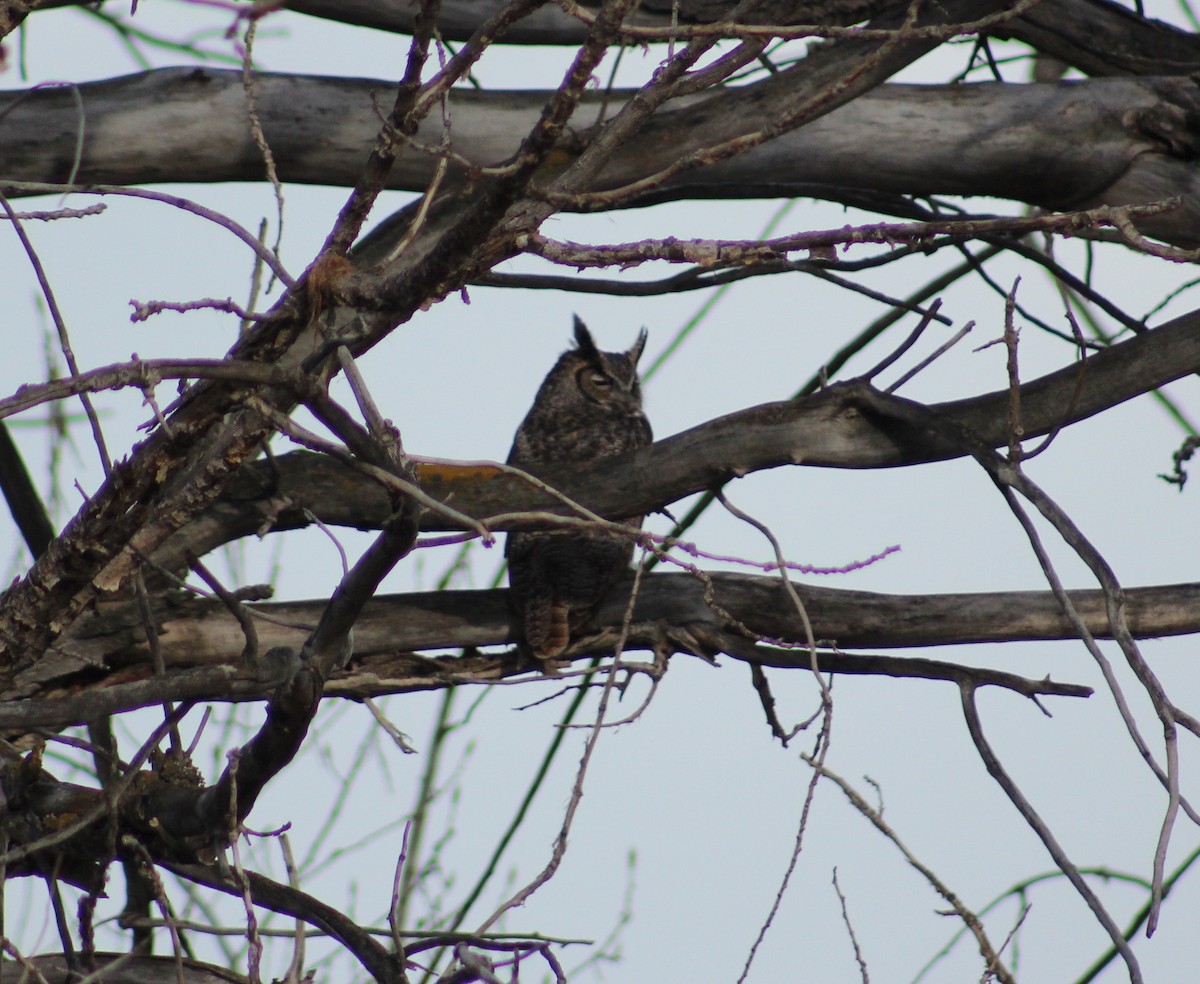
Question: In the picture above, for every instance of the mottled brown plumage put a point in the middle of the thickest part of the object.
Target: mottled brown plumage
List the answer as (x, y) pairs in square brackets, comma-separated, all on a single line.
[(589, 406)]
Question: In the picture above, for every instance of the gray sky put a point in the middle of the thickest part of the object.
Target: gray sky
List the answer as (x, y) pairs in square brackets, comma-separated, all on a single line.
[(695, 786)]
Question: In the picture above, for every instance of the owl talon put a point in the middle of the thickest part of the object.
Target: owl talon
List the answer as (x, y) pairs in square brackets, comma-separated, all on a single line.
[(553, 667)]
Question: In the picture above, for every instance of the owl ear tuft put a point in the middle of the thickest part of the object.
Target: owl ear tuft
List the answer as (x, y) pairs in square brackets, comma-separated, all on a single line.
[(583, 339), (635, 351)]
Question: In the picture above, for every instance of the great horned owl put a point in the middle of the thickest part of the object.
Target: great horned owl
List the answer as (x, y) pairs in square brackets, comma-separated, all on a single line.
[(589, 406)]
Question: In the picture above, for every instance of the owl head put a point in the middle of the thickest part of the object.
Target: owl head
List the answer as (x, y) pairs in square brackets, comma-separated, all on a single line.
[(606, 379), (589, 405)]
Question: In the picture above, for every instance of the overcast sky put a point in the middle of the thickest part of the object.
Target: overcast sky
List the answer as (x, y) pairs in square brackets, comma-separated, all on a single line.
[(696, 786)]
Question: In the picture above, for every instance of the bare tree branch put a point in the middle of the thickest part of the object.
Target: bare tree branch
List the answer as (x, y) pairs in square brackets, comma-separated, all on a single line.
[(826, 429), (373, 956), (202, 640), (1098, 37), (212, 430), (1013, 791), (1061, 145)]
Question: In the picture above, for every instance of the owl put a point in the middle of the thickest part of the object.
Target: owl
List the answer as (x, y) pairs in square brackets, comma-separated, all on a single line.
[(589, 406)]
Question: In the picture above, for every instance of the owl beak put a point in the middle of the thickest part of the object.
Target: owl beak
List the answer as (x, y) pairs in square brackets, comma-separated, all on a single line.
[(629, 399)]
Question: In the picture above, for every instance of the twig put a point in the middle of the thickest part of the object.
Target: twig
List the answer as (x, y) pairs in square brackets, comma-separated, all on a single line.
[(822, 749), (45, 188), (253, 942), (706, 277), (64, 339), (132, 845), (539, 777), (408, 110), (560, 842), (1016, 429), (1034, 820), (249, 86), (399, 738), (858, 957), (332, 538), (933, 356), (905, 345), (969, 918), (295, 970), (234, 606), (788, 587), (144, 310), (60, 213), (144, 374), (395, 908), (152, 641), (707, 252)]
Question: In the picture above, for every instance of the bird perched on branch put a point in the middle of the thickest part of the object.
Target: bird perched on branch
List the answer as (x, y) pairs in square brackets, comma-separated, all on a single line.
[(588, 406)]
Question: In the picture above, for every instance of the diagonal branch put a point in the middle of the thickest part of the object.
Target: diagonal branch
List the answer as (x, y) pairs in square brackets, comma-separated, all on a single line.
[(1064, 863), (173, 475), (828, 429)]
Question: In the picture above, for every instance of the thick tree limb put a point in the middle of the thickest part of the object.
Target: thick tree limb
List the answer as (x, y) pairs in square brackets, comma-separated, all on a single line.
[(26, 506), (201, 641), (205, 634), (828, 429), (120, 968), (553, 26), (1056, 145), (1098, 37)]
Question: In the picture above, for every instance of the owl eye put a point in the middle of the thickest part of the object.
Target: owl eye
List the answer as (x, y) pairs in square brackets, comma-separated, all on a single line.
[(599, 379)]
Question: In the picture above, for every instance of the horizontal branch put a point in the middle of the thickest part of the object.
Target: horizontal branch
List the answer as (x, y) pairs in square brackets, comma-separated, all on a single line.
[(204, 632), (1057, 145), (145, 374), (728, 252), (201, 641), (1098, 37), (457, 19)]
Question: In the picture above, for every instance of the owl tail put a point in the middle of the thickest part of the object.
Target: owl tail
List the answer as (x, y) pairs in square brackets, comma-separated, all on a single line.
[(547, 629)]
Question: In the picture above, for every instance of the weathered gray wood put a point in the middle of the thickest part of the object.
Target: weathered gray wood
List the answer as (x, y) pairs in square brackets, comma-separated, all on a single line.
[(1057, 145), (201, 641), (829, 429), (203, 633), (1098, 37), (119, 968)]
